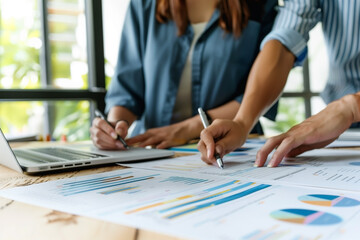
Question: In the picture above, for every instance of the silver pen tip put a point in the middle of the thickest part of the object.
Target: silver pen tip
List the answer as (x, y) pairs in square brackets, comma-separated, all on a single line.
[(220, 163)]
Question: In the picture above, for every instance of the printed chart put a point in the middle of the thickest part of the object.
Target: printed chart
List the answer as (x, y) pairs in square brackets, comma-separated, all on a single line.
[(318, 168), (329, 200), (251, 146), (235, 166), (197, 206), (305, 217)]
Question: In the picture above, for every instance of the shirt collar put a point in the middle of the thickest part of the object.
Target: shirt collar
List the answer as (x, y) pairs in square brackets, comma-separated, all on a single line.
[(214, 19)]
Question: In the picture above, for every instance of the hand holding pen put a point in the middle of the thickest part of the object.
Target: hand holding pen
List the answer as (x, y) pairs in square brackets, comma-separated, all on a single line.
[(118, 137), (206, 124)]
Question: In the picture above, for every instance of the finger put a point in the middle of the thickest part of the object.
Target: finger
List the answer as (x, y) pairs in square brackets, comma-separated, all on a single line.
[(164, 144), (122, 128), (268, 147), (227, 137), (284, 148), (222, 147), (98, 137), (102, 140), (151, 141), (201, 147), (105, 127), (104, 145), (139, 138), (299, 150), (304, 148), (209, 144), (178, 142)]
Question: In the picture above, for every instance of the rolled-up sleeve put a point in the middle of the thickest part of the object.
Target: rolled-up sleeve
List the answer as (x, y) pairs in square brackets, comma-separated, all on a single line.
[(292, 25), (127, 85)]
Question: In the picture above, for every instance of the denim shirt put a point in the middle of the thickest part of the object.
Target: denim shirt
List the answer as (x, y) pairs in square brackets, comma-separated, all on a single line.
[(152, 57)]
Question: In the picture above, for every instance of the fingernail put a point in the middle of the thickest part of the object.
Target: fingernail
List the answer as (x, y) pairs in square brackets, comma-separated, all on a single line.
[(256, 165), (218, 149), (113, 135), (209, 154), (270, 165)]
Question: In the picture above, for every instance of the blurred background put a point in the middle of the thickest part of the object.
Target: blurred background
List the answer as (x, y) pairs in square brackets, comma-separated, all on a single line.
[(49, 68)]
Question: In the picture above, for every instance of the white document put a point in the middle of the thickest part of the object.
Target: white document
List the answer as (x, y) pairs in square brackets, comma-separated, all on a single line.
[(251, 146), (235, 166), (199, 206), (344, 143), (352, 134), (326, 168)]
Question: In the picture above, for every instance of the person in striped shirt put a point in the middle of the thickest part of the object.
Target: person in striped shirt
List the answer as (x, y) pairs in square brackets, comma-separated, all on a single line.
[(284, 47)]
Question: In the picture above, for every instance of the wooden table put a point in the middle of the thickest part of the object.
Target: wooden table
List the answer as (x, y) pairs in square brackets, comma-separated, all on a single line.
[(23, 221)]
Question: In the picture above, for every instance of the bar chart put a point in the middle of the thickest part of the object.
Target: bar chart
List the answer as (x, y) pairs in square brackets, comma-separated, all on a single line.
[(198, 206)]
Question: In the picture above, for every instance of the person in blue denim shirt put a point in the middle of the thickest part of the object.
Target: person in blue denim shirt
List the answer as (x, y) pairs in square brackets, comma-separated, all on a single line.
[(176, 56)]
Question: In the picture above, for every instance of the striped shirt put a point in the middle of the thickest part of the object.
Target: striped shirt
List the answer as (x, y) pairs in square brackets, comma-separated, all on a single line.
[(341, 27)]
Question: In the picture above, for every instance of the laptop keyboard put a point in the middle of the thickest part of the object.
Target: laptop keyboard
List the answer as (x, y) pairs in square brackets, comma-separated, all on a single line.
[(28, 155), (68, 154), (63, 153)]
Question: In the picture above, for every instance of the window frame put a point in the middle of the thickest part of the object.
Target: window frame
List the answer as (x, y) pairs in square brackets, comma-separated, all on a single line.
[(306, 94), (95, 93)]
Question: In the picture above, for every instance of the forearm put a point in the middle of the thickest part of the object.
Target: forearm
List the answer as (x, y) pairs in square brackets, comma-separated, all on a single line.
[(117, 113), (193, 126), (226, 111), (265, 83)]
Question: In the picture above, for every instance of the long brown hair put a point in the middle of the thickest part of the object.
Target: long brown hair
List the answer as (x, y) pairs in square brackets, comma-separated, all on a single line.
[(234, 14)]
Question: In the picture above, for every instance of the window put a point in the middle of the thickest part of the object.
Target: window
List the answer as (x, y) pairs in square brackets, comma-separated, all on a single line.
[(67, 43), (51, 73), (113, 17), (52, 76)]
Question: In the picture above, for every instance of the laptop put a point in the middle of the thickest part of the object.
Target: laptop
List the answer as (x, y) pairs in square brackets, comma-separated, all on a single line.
[(45, 159)]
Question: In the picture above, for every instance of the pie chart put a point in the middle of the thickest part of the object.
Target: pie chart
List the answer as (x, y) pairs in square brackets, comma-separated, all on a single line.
[(305, 217), (329, 200)]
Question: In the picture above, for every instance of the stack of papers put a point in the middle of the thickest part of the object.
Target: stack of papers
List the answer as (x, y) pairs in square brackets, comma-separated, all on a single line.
[(314, 196)]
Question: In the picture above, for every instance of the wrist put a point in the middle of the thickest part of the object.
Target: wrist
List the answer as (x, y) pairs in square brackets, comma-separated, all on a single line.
[(246, 125), (351, 104), (193, 127)]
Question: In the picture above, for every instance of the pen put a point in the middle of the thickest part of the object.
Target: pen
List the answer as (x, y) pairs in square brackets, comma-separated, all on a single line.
[(101, 115), (206, 123)]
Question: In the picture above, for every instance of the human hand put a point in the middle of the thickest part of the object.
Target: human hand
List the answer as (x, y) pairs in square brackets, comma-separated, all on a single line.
[(229, 135), (315, 132), (297, 140), (168, 136), (105, 136)]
